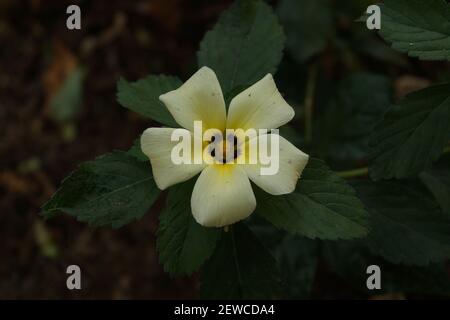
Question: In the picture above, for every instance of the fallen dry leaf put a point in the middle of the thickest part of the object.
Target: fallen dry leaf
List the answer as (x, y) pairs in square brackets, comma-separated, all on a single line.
[(14, 183), (409, 83), (389, 296), (63, 64)]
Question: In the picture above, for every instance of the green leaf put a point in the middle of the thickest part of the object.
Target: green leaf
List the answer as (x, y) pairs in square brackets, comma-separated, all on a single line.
[(429, 280), (412, 134), (350, 259), (406, 225), (245, 44), (344, 128), (240, 268), (136, 151), (114, 189), (142, 97), (437, 180), (182, 243), (322, 206), (296, 258), (68, 100), (308, 26), (416, 27)]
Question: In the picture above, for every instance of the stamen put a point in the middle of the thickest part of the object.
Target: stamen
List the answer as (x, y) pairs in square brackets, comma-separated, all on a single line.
[(235, 147), (230, 148)]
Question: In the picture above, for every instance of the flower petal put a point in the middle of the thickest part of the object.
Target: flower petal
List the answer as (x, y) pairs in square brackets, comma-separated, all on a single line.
[(260, 106), (200, 98), (157, 145), (292, 161), (222, 196)]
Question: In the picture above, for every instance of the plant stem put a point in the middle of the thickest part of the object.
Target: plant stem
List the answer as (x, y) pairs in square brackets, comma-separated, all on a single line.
[(354, 173), (309, 102)]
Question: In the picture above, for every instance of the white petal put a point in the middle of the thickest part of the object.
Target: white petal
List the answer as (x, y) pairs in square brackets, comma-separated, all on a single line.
[(157, 145), (200, 98), (222, 196), (260, 107), (292, 161)]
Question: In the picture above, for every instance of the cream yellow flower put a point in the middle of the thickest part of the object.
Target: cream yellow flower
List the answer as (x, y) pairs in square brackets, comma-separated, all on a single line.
[(223, 194)]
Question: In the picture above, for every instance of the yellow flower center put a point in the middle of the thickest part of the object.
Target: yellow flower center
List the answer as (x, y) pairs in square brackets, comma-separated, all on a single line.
[(224, 151)]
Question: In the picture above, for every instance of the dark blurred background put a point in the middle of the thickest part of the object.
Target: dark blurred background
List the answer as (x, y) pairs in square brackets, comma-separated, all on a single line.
[(58, 108), (50, 124)]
